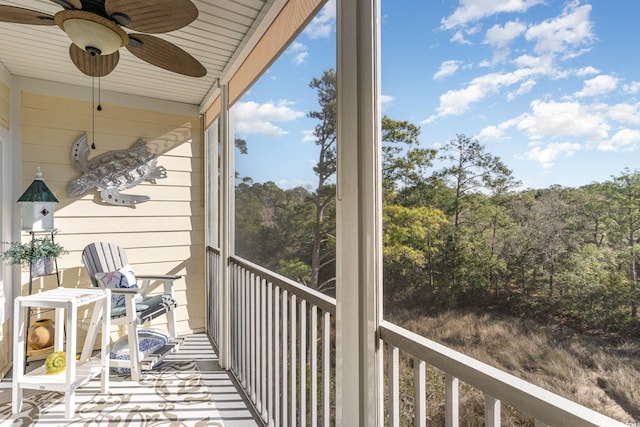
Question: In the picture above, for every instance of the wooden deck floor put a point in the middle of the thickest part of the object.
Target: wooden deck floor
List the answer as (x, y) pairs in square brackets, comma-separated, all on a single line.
[(188, 389)]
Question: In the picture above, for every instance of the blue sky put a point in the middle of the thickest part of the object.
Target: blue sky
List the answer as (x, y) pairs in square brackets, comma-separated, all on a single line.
[(552, 87)]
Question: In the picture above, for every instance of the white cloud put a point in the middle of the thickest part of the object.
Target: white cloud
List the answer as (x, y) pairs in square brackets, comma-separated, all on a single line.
[(254, 118), (546, 156), (598, 86), (544, 64), (501, 36), (307, 135), (490, 133), (525, 87), (287, 184), (627, 114), (386, 101), (562, 119), (585, 71), (570, 30), (456, 102), (323, 24), (458, 37), (623, 140), (447, 68), (473, 10), (495, 133), (298, 51), (633, 87)]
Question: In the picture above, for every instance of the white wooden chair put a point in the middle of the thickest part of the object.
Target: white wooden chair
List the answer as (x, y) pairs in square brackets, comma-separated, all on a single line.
[(139, 306)]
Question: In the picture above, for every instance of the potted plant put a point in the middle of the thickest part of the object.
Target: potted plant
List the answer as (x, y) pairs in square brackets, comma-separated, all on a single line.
[(39, 254)]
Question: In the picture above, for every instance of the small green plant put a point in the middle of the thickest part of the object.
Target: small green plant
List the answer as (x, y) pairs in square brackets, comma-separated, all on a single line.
[(29, 252)]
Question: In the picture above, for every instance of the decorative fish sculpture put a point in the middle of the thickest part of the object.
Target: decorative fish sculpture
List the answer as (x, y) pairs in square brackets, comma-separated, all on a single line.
[(114, 171)]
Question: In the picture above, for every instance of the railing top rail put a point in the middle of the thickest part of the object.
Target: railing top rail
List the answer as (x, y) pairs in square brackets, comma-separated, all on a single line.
[(319, 299), (535, 401)]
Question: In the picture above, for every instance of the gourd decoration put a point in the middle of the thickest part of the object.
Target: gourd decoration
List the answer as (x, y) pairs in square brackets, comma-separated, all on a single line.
[(56, 362), (41, 334)]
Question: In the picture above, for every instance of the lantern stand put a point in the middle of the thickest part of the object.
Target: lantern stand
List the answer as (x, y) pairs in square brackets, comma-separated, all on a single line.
[(37, 218)]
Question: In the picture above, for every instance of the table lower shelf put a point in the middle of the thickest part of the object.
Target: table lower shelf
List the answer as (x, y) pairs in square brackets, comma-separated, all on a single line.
[(39, 379)]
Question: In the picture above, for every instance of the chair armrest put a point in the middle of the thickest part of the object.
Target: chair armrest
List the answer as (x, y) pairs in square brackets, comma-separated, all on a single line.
[(166, 279), (159, 276), (121, 290), (126, 290)]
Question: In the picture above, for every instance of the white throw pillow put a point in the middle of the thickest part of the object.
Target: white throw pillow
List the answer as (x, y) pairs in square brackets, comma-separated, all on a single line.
[(123, 278)]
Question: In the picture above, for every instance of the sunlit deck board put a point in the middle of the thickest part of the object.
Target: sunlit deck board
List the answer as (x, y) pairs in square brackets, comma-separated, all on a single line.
[(190, 387)]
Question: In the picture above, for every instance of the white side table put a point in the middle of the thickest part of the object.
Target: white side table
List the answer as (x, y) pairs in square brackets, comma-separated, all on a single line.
[(65, 301)]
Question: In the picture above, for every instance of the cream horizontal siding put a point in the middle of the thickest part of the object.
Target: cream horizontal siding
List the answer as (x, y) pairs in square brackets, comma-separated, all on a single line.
[(4, 105), (4, 325), (162, 236)]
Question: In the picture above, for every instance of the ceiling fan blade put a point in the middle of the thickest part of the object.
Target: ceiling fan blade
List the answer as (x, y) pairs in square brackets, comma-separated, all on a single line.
[(164, 54), (19, 15), (93, 65), (152, 16), (69, 4)]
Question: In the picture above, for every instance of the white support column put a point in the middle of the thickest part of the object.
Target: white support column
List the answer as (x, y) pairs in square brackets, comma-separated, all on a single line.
[(212, 223), (226, 216), (212, 197), (359, 209)]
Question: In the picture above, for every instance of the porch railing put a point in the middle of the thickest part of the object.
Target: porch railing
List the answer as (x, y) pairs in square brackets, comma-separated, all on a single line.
[(548, 409), (283, 355), (281, 344)]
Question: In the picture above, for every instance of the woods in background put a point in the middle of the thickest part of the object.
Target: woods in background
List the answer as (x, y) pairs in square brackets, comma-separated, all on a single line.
[(459, 234)]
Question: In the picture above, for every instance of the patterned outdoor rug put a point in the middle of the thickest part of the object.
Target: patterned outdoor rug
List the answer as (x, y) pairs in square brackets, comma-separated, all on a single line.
[(171, 395)]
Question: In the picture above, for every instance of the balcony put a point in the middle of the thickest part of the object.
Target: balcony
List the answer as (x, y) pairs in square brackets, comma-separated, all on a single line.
[(300, 357), (283, 356), (283, 370)]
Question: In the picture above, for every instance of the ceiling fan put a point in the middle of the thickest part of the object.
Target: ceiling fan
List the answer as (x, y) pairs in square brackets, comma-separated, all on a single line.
[(95, 28)]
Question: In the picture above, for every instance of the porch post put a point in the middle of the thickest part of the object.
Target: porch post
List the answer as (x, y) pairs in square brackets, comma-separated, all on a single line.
[(359, 216), (226, 216)]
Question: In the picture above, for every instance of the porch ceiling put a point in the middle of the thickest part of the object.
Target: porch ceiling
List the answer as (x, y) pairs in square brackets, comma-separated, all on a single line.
[(217, 38)]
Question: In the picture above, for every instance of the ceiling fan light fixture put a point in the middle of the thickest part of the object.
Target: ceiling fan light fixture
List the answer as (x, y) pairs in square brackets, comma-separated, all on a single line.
[(91, 32)]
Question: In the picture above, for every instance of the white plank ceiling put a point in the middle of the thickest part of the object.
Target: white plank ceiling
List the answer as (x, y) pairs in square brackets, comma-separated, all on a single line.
[(215, 38)]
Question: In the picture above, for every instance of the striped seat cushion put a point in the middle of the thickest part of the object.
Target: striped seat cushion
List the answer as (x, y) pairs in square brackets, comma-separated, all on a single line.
[(149, 307)]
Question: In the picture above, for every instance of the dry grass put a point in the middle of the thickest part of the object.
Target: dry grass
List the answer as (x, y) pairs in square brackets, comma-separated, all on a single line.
[(590, 371)]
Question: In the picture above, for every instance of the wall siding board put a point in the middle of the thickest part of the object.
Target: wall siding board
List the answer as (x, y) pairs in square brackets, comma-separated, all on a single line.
[(76, 225), (151, 208), (158, 239), (4, 113), (164, 235)]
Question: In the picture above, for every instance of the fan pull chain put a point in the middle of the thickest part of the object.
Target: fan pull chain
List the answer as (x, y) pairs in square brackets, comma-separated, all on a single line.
[(99, 91), (93, 97), (93, 113)]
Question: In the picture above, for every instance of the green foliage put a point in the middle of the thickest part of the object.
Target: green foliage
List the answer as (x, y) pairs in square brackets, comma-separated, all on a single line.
[(595, 294), (273, 224), (459, 236), (410, 240), (27, 253), (404, 164), (299, 270)]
